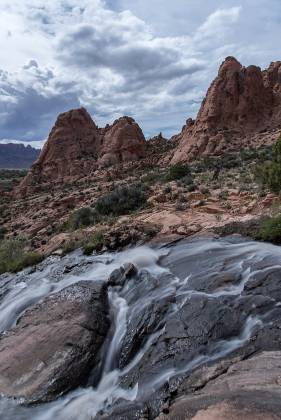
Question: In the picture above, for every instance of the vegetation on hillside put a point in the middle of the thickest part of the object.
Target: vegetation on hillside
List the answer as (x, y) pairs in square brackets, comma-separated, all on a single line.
[(270, 230), (14, 257), (121, 201), (178, 171), (10, 178), (93, 243), (269, 173)]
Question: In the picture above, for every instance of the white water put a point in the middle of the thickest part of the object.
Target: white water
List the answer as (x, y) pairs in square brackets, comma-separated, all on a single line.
[(202, 258)]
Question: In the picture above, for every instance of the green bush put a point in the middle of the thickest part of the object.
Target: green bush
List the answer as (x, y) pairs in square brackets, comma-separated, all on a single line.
[(2, 233), (269, 173), (71, 245), (270, 230), (178, 171), (13, 256), (151, 178), (205, 190), (81, 218), (122, 200), (94, 243)]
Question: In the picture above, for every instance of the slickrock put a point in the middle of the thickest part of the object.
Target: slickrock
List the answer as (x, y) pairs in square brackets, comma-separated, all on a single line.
[(242, 108), (55, 343), (77, 147), (250, 389)]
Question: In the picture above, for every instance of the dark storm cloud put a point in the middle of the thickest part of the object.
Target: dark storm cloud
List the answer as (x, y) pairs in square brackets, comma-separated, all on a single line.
[(31, 116), (27, 112), (141, 64)]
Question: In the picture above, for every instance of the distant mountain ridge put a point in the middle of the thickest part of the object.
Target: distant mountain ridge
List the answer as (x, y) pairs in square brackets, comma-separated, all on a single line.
[(17, 156)]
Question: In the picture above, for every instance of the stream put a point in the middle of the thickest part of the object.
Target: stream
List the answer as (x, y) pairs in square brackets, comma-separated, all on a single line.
[(190, 304)]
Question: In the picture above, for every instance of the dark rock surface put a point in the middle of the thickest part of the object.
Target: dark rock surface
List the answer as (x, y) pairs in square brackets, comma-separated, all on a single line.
[(195, 333), (54, 344), (211, 323)]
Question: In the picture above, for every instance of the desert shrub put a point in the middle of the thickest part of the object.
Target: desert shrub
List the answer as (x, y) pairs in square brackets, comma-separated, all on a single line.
[(250, 228), (70, 245), (2, 233), (83, 217), (178, 171), (94, 243), (223, 195), (122, 200), (14, 257), (191, 188), (270, 230), (269, 173), (152, 178), (205, 190), (167, 189), (186, 180), (3, 210), (180, 206)]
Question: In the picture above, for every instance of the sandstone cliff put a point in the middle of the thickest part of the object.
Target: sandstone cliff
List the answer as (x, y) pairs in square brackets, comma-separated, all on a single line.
[(241, 108), (76, 147)]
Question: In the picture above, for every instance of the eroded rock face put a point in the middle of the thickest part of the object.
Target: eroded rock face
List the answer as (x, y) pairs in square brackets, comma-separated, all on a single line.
[(55, 343), (76, 147), (122, 142), (69, 152), (241, 105)]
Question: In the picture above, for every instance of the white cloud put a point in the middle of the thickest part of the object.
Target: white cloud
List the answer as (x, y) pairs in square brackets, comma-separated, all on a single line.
[(218, 24), (137, 57)]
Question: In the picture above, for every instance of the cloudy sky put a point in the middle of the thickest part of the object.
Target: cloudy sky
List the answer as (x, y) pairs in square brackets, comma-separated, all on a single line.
[(150, 59)]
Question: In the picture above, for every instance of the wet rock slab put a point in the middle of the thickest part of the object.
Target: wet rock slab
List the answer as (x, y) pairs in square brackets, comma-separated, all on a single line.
[(246, 390), (54, 344)]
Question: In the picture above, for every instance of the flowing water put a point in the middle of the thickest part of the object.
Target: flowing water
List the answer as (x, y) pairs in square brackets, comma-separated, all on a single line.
[(180, 272)]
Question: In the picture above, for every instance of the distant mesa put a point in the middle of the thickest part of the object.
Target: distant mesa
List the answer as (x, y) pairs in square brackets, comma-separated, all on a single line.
[(17, 156)]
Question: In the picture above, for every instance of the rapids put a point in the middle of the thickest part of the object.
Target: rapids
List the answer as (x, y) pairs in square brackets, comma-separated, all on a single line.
[(172, 280)]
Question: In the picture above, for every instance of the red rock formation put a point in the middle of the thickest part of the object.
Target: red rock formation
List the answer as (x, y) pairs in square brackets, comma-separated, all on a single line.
[(76, 147), (240, 103), (123, 141)]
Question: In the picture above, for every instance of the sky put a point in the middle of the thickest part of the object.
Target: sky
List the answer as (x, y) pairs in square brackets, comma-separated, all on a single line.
[(150, 59)]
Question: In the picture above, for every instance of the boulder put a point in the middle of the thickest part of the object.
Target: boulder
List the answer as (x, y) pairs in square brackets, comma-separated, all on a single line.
[(55, 344), (119, 276)]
